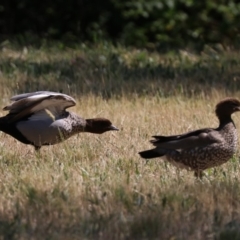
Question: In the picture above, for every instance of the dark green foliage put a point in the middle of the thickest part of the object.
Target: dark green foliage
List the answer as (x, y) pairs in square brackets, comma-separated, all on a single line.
[(181, 22), (153, 23)]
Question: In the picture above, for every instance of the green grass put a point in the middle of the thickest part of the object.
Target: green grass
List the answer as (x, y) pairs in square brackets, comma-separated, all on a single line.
[(96, 186)]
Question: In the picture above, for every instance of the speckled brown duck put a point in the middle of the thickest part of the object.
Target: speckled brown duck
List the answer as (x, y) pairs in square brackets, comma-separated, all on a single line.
[(203, 148), (40, 118)]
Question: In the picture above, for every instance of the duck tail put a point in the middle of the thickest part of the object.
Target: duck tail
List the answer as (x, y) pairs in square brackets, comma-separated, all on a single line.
[(153, 153)]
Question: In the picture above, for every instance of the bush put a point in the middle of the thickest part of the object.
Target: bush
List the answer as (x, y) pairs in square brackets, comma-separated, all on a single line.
[(174, 23)]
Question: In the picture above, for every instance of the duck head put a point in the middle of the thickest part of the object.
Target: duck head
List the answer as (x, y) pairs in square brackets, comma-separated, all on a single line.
[(226, 107), (99, 125)]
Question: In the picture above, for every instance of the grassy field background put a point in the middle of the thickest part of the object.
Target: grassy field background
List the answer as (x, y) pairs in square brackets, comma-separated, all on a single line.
[(96, 186)]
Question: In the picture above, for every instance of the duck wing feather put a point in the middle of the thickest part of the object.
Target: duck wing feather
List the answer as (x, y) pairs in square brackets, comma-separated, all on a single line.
[(28, 104), (198, 138)]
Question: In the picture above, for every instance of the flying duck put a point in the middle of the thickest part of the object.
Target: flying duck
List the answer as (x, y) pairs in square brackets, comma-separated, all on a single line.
[(200, 149), (40, 118)]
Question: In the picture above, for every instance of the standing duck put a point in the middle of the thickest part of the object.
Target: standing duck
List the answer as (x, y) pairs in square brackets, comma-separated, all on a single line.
[(40, 118), (203, 148)]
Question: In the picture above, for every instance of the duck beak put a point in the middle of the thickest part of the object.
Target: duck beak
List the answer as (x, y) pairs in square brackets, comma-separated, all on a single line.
[(112, 127)]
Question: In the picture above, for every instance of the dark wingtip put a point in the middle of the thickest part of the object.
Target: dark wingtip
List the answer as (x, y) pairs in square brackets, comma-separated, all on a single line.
[(150, 154)]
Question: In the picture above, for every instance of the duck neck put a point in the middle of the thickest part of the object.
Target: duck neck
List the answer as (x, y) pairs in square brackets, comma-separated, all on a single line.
[(224, 119), (89, 127)]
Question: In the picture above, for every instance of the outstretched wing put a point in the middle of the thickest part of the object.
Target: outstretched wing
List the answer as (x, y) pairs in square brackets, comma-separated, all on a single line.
[(30, 104), (198, 138)]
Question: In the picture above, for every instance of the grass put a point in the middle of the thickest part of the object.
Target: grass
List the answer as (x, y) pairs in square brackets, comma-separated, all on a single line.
[(96, 186)]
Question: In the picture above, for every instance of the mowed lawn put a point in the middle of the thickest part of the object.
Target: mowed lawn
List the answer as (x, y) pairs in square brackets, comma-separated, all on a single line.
[(97, 186)]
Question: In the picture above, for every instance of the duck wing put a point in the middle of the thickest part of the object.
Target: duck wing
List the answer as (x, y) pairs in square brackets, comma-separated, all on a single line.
[(38, 103), (197, 138)]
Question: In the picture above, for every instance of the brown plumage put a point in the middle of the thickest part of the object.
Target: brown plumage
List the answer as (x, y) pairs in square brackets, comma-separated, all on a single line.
[(40, 118), (203, 148)]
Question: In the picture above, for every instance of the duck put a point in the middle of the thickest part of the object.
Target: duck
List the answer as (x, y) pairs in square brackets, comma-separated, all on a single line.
[(40, 118), (203, 148)]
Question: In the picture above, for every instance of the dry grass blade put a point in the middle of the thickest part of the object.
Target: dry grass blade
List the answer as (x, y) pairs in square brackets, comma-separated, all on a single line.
[(96, 186)]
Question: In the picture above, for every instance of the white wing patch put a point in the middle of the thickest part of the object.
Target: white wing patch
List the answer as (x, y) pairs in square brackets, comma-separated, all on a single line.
[(57, 105), (32, 103), (28, 95), (35, 97), (21, 104)]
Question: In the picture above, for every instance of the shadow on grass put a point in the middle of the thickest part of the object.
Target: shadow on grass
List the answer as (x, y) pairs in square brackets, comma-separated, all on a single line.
[(110, 77), (54, 215)]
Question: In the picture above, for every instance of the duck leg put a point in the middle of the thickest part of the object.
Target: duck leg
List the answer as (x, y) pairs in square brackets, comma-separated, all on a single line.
[(198, 174), (37, 148)]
